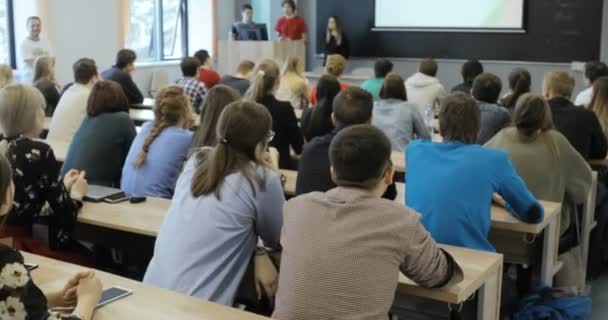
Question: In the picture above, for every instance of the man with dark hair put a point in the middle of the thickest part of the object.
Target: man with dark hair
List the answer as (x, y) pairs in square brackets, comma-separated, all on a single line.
[(121, 72), (246, 19), (455, 201), (207, 75), (189, 82), (423, 88), (72, 106), (352, 106), (381, 69), (290, 26), (470, 70), (240, 81), (486, 90), (347, 223), (593, 71), (32, 47)]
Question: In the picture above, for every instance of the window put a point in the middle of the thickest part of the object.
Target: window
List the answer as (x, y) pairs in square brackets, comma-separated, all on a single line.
[(7, 41), (159, 28)]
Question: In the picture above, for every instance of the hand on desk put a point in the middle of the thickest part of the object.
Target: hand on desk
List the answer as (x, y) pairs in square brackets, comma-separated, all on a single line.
[(81, 285)]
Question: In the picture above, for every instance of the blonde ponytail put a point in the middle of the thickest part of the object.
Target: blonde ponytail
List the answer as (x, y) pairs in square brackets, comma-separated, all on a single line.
[(266, 79)]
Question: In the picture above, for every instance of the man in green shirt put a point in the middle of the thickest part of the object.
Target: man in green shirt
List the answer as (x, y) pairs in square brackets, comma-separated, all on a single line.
[(381, 69)]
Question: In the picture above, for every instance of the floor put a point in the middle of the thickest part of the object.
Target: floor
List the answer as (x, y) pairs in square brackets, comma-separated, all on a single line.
[(599, 294)]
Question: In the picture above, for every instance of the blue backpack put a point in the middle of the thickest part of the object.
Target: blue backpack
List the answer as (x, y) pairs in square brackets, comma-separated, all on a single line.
[(553, 304)]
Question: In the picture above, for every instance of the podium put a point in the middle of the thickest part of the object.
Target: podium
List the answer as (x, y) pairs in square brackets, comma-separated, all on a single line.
[(231, 52)]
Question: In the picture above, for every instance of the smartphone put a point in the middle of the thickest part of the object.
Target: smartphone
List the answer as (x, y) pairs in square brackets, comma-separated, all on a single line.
[(113, 294), (117, 198), (30, 266)]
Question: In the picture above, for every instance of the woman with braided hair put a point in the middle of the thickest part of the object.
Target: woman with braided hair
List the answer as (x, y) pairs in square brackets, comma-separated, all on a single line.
[(158, 152)]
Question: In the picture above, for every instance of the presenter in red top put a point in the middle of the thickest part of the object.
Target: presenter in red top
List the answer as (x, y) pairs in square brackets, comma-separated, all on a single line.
[(290, 26)]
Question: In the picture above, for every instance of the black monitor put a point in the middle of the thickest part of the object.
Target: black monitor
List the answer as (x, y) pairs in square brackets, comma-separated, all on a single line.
[(251, 32)]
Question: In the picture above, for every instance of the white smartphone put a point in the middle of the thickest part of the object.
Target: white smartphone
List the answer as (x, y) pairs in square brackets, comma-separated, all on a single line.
[(107, 296)]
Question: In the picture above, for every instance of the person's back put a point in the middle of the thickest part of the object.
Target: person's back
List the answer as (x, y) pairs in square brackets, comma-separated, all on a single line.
[(293, 88), (486, 90), (121, 73), (593, 71), (469, 71), (239, 84), (423, 88), (316, 121), (382, 68)]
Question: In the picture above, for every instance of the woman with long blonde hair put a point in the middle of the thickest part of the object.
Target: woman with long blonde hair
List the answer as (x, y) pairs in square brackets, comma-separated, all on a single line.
[(293, 85), (6, 75), (44, 80)]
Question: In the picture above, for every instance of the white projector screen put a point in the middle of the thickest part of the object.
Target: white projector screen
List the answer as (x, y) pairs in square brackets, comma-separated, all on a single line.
[(450, 14)]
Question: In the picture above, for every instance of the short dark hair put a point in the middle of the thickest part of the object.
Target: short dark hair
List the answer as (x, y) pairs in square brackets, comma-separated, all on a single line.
[(30, 19), (595, 70), (470, 70), (459, 118), (190, 66), (353, 106), (487, 87), (125, 57), (84, 70), (202, 56), (382, 68), (428, 67), (360, 156), (246, 6), (107, 96), (393, 88), (290, 3)]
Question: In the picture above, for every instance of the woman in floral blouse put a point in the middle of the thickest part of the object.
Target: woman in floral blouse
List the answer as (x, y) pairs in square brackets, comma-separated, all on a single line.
[(20, 298)]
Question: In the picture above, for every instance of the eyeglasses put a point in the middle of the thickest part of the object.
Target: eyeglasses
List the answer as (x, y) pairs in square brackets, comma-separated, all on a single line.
[(270, 136)]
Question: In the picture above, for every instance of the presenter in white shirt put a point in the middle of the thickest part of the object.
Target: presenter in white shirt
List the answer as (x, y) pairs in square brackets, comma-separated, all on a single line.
[(33, 46)]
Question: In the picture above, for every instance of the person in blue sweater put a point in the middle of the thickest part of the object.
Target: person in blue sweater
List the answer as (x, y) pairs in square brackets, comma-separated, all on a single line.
[(452, 184)]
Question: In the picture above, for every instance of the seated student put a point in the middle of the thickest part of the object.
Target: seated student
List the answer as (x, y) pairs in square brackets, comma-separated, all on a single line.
[(351, 107), (215, 102), (335, 66), (121, 72), (206, 75), (35, 170), (400, 120), (423, 88), (520, 83), (240, 81), (44, 80), (316, 121), (470, 70), (102, 142), (486, 90), (6, 75), (579, 125), (552, 169), (158, 152), (593, 71), (193, 88), (599, 102), (437, 173), (348, 223), (284, 122), (72, 106), (21, 298), (293, 86), (382, 68), (225, 199)]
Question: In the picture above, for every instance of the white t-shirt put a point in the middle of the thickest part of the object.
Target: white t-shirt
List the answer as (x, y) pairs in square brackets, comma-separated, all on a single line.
[(31, 49), (68, 115), (584, 98)]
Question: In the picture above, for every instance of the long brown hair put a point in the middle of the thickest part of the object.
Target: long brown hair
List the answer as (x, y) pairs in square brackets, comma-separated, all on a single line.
[(532, 118), (107, 96), (265, 80), (393, 88), (338, 30), (242, 127), (43, 69), (216, 100), (520, 83), (171, 107), (599, 102)]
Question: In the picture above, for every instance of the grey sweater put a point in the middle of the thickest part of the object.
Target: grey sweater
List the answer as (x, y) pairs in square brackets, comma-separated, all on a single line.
[(493, 119), (401, 121)]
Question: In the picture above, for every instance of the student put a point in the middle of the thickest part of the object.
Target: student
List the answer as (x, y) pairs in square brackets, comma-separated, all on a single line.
[(381, 69), (72, 106), (158, 152), (579, 125), (351, 107), (216, 100), (400, 120), (290, 26), (593, 71), (207, 75), (22, 298), (423, 88), (225, 199), (122, 72), (486, 90), (284, 122), (44, 80), (194, 89), (336, 41), (36, 172), (33, 46), (240, 81), (348, 223), (520, 83), (336, 64), (455, 214), (293, 86), (599, 102), (470, 70), (6, 75), (102, 142), (316, 121)]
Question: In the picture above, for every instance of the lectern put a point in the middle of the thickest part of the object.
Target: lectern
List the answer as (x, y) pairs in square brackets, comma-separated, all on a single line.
[(231, 53)]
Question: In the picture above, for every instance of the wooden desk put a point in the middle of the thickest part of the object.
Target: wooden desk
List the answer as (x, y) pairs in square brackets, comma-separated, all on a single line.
[(146, 302), (147, 104), (482, 272)]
